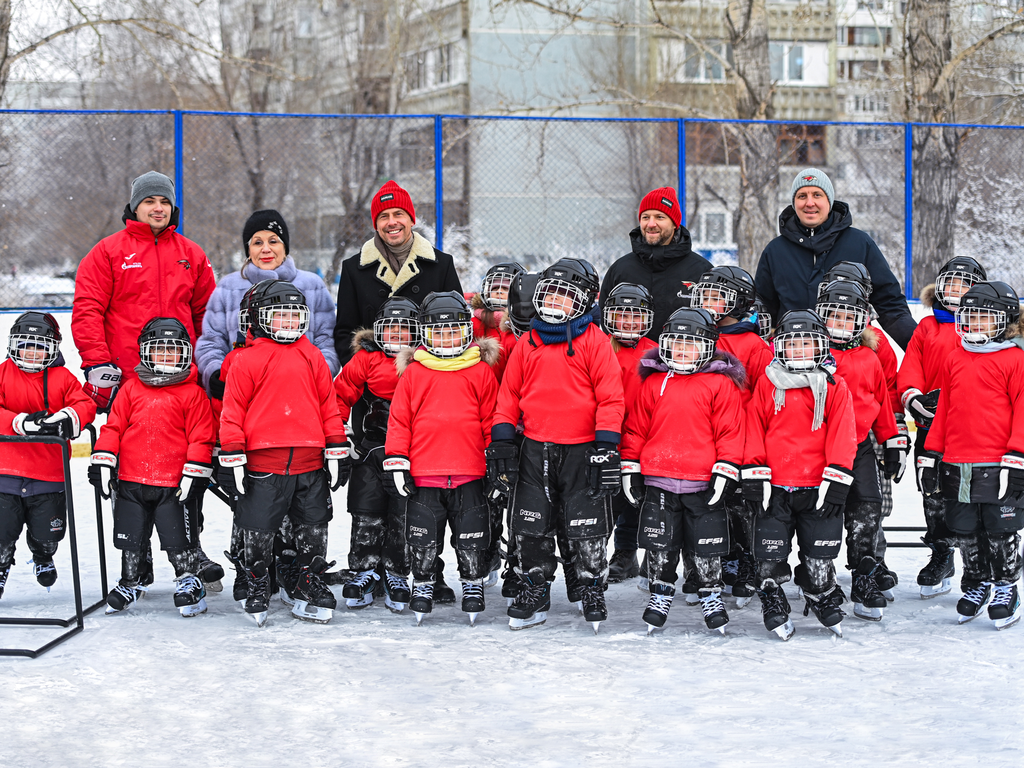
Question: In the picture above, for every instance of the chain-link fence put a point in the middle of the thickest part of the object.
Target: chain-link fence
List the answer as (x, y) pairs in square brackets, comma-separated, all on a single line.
[(488, 189)]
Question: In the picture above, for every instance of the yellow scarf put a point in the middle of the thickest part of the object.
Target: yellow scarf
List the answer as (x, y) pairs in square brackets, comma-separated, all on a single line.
[(470, 357)]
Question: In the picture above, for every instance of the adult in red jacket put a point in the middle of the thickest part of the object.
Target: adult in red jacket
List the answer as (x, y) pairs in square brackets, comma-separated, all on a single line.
[(144, 271)]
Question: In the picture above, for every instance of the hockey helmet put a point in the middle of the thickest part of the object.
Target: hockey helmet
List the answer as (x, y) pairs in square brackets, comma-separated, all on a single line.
[(764, 320), (956, 277), (851, 271), (34, 340), (520, 302), (397, 325), (446, 323), (986, 311), (243, 313), (164, 346), (843, 307), (628, 312), (566, 290), (278, 311), (498, 280), (724, 292), (801, 340), (687, 340)]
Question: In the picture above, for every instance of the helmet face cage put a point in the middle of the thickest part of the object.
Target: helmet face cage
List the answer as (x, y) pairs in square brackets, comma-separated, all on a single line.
[(764, 323), (32, 352), (243, 322), (801, 350), (844, 322), (558, 301), (979, 325), (628, 323), (284, 323), (165, 356), (716, 299), (393, 333), (685, 352), (494, 293), (448, 339), (953, 284)]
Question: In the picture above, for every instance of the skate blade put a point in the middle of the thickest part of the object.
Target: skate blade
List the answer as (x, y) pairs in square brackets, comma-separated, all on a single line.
[(578, 605), (596, 625), (193, 610), (355, 603), (419, 617), (112, 611), (314, 614), (472, 618), (491, 580), (1008, 622), (785, 631), (214, 586), (260, 618), (691, 598), (393, 606), (868, 614), (650, 629), (928, 591), (889, 595), (285, 597), (721, 629), (961, 619), (141, 592), (533, 621), (743, 602), (836, 629), (644, 585)]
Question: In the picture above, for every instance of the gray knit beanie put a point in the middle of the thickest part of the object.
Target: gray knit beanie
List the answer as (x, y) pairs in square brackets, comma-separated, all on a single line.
[(151, 184), (812, 177)]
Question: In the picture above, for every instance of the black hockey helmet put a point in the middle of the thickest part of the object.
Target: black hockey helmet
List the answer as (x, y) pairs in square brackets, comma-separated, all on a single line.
[(520, 302), (628, 312), (764, 319), (165, 346), (574, 280), (801, 340), (851, 271), (278, 303), (687, 325), (986, 311), (843, 307), (446, 323), (724, 292), (402, 312), (955, 278), (243, 313), (34, 340), (499, 277)]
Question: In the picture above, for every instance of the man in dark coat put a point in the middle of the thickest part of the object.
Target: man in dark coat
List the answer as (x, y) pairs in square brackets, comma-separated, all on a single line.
[(816, 234), (395, 262)]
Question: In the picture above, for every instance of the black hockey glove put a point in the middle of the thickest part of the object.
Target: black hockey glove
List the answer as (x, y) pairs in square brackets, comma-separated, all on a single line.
[(26, 424), (928, 472), (216, 386), (835, 485), (894, 461), (232, 482), (502, 467), (1011, 477), (103, 473), (338, 464), (195, 479), (725, 476), (921, 407), (603, 470), (64, 423), (101, 383), (632, 482), (398, 477), (755, 485)]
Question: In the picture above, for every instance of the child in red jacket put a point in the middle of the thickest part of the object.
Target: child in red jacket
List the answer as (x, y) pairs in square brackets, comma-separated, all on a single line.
[(38, 396), (974, 451), (369, 379), (564, 382), (800, 438), (437, 433), (491, 305), (684, 442), (154, 455), (283, 439), (844, 308)]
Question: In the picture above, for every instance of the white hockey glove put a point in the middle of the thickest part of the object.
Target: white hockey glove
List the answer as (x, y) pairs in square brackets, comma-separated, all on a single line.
[(725, 476), (1011, 477), (756, 484), (101, 383), (338, 464), (103, 473), (64, 423), (835, 485), (894, 461), (235, 461), (27, 424), (398, 477), (632, 482), (928, 472), (195, 479)]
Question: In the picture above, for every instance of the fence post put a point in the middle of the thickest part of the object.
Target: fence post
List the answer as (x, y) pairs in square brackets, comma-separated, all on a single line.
[(681, 167), (179, 172), (439, 182), (908, 209)]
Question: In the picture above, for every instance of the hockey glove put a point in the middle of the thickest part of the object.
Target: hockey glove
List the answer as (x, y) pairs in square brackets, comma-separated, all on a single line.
[(632, 482), (604, 470), (195, 479), (1011, 477), (502, 467), (894, 457), (27, 424), (756, 485), (725, 476), (101, 383), (233, 482), (901, 426), (398, 477), (921, 407), (928, 472), (338, 464), (216, 387), (103, 473), (835, 485), (64, 423)]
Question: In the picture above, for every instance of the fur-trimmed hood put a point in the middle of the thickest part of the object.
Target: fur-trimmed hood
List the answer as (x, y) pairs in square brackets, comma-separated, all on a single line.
[(727, 365), (363, 339), (489, 352), (1016, 330), (370, 256), (928, 297), (490, 318), (869, 339)]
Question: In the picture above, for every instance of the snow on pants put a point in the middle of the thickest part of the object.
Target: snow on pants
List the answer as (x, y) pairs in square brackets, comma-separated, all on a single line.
[(553, 490), (673, 522), (863, 514), (305, 498), (45, 516), (139, 508), (465, 510), (378, 519), (818, 537)]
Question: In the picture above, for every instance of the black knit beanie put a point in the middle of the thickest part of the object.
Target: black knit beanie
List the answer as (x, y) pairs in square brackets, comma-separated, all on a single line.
[(264, 221)]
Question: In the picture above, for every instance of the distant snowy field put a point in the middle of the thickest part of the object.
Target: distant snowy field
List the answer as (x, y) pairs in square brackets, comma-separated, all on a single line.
[(151, 688)]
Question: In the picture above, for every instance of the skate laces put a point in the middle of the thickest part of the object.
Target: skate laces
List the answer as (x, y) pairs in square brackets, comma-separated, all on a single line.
[(712, 604), (128, 593), (773, 600), (865, 584), (977, 594), (311, 584), (394, 582), (363, 578), (188, 583), (424, 591), (472, 590), (530, 593), (592, 595), (1003, 594), (45, 567), (731, 567), (745, 574), (660, 603)]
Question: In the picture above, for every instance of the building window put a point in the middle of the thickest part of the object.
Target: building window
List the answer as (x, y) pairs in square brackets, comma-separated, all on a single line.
[(862, 70), (871, 5), (867, 103), (802, 145), (305, 23), (703, 66), (432, 68), (710, 229), (787, 62), (869, 36)]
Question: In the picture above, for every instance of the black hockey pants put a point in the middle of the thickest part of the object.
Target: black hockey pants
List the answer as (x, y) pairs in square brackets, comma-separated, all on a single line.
[(671, 523), (378, 519), (818, 537), (465, 510)]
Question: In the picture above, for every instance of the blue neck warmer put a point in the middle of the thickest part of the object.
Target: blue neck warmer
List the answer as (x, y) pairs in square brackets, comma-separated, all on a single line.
[(943, 316), (743, 326), (558, 333)]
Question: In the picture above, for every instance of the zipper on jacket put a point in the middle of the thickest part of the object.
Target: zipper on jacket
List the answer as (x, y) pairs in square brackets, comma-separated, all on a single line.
[(288, 466), (449, 481)]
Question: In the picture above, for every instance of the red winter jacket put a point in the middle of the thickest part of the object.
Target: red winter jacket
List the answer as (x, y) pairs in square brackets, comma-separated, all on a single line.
[(129, 278), (927, 356), (887, 357), (563, 399), (752, 351), (861, 369), (367, 368), (981, 407), (155, 430), (280, 407), (784, 441), (680, 425), (48, 390), (629, 360), (441, 420)]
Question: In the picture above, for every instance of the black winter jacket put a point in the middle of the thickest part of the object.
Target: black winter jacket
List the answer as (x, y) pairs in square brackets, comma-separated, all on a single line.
[(792, 265), (661, 269), (367, 281)]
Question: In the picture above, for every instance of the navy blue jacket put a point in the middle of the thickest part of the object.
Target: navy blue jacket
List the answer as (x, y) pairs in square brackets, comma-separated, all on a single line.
[(792, 265)]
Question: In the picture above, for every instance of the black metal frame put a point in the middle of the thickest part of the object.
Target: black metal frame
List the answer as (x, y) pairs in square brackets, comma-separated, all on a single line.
[(78, 620), (904, 529)]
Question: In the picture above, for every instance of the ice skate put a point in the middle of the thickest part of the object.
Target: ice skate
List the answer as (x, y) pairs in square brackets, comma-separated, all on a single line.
[(936, 578), (730, 570), (826, 608), (257, 597), (868, 601), (190, 596), (622, 565), (531, 603), (493, 573), (743, 588), (314, 600), (594, 609), (443, 594), (690, 590), (422, 601), (510, 586), (715, 616), (240, 588), (775, 610), (287, 578), (886, 581), (573, 588), (4, 573), (46, 573), (358, 592), (146, 575), (210, 573), (472, 601), (1005, 609), (658, 606), (396, 592), (969, 606), (120, 597)]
